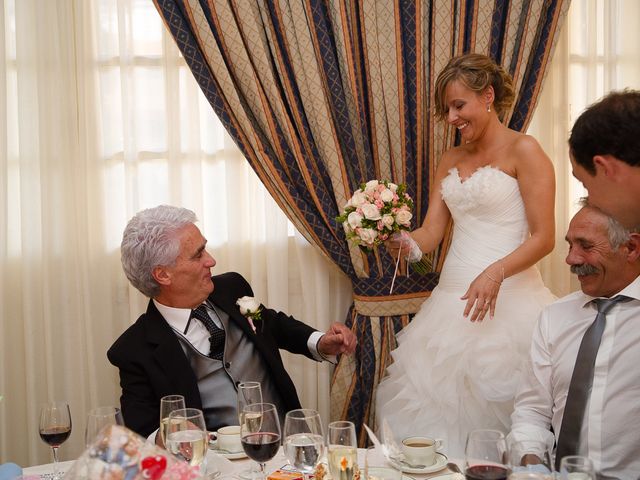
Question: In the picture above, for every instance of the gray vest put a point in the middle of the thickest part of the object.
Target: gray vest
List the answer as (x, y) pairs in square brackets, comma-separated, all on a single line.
[(217, 379)]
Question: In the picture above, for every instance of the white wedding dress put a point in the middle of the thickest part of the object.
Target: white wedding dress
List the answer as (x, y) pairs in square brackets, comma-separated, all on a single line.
[(449, 375)]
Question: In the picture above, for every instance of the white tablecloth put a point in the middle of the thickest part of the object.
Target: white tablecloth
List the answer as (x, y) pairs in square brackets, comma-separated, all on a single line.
[(228, 468)]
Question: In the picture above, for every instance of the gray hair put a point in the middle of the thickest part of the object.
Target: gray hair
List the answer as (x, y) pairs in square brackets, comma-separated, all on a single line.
[(150, 239), (618, 235)]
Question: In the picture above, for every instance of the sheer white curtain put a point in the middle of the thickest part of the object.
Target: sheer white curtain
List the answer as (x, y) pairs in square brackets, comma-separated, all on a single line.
[(598, 51), (101, 118)]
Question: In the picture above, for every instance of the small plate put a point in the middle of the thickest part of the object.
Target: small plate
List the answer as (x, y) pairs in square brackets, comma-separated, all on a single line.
[(225, 454), (448, 476), (440, 463)]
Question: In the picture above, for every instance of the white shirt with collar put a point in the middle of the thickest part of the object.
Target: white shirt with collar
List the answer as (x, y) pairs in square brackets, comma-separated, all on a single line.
[(198, 335), (611, 430)]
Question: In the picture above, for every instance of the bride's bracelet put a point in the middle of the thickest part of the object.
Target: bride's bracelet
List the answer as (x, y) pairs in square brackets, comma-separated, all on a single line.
[(499, 282)]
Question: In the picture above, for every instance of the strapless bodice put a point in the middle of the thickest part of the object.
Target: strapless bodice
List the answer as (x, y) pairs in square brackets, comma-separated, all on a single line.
[(489, 221)]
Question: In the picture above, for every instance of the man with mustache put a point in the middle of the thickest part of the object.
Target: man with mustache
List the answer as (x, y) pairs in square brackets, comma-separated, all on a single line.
[(585, 354)]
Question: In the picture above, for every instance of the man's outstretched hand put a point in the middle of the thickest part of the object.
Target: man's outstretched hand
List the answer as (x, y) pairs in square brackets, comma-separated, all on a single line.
[(338, 339)]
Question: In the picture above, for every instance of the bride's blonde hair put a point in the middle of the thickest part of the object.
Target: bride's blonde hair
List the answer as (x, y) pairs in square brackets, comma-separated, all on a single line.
[(476, 72)]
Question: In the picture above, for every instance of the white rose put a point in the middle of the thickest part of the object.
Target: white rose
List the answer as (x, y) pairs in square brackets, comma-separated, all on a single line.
[(392, 186), (386, 195), (388, 220), (371, 212), (248, 305), (371, 185), (358, 198), (368, 235), (403, 217), (354, 220)]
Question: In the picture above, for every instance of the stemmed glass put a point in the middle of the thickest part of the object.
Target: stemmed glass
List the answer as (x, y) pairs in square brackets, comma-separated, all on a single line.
[(260, 433), (98, 419), (376, 467), (168, 404), (342, 448), (55, 427), (187, 437), (486, 455), (576, 467), (303, 439), (248, 393), (530, 456)]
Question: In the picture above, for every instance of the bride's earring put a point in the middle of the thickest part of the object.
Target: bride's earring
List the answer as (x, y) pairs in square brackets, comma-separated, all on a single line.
[(488, 107)]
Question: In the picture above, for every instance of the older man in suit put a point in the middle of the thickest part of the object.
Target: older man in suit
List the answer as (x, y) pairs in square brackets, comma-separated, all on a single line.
[(193, 340)]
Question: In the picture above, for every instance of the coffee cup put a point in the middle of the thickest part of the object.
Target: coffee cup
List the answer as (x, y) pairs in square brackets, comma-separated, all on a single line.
[(228, 438), (420, 450)]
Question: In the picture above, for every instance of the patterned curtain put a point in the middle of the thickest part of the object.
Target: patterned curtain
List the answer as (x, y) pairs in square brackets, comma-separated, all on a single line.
[(323, 95)]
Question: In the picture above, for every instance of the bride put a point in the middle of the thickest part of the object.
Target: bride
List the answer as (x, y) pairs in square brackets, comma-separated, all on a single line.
[(459, 361)]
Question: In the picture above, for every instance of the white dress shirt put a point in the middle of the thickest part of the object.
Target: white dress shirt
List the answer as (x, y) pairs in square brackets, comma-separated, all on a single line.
[(198, 335), (611, 430)]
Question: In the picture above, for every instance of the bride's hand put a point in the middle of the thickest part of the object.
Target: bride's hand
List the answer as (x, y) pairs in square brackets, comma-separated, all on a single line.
[(402, 244), (483, 292)]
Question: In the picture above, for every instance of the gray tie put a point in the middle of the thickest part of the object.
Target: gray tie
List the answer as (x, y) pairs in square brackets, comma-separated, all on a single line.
[(582, 380), (217, 334)]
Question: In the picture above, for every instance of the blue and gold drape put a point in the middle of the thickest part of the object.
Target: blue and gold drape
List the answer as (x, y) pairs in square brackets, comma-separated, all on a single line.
[(322, 95)]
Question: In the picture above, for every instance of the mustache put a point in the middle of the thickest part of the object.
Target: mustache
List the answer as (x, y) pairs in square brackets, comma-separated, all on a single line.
[(583, 269)]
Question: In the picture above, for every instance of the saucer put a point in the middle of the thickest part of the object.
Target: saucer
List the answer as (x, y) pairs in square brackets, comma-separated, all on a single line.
[(440, 463), (225, 454)]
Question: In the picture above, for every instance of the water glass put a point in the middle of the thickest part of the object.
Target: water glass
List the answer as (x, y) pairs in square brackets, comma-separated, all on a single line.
[(530, 456), (303, 439), (376, 466), (576, 467), (98, 419), (342, 446), (187, 437)]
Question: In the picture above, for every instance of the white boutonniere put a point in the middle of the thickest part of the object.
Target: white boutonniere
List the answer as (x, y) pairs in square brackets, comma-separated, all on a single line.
[(250, 308)]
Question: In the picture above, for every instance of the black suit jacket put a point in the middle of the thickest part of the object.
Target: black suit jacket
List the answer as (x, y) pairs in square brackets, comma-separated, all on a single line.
[(152, 363)]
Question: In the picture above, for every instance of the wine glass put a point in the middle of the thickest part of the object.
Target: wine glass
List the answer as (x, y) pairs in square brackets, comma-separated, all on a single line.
[(303, 439), (530, 456), (187, 437), (376, 466), (576, 467), (260, 433), (248, 393), (98, 419), (168, 404), (486, 455), (55, 428), (342, 446)]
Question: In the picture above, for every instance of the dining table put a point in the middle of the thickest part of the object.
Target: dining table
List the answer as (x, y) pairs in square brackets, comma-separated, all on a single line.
[(228, 467)]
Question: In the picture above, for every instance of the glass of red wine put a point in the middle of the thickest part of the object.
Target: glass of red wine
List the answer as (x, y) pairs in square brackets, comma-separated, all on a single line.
[(486, 456), (260, 433), (55, 428)]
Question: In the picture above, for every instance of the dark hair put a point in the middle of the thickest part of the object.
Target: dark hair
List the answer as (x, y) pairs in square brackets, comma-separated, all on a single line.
[(608, 127), (476, 72)]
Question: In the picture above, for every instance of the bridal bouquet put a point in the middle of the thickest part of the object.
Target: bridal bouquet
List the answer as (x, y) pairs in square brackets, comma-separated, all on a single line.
[(376, 211)]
